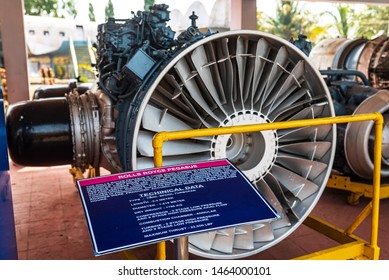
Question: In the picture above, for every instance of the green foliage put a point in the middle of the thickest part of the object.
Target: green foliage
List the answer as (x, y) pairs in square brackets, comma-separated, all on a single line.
[(289, 22), (148, 3), (50, 8), (41, 7), (69, 7), (260, 20), (60, 71), (372, 22), (109, 11), (83, 79), (343, 19), (91, 13)]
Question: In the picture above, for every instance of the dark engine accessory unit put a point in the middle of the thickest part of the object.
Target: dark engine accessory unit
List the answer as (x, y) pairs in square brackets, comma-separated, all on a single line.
[(51, 91), (131, 50), (370, 57), (150, 81), (355, 141), (356, 73)]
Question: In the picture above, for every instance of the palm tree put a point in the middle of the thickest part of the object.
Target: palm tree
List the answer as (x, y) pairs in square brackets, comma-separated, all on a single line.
[(148, 4), (91, 12), (372, 22), (287, 21), (290, 21), (343, 19), (109, 11)]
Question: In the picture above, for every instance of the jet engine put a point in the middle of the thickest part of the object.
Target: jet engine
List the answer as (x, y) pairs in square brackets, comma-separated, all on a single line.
[(356, 73), (151, 80)]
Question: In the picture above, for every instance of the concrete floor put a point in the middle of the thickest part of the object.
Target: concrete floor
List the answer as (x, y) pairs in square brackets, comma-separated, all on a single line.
[(50, 222)]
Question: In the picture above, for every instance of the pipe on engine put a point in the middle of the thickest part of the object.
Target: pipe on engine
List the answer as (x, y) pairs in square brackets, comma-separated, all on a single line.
[(51, 91)]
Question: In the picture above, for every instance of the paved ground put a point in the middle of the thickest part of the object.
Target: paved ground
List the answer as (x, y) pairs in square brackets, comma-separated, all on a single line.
[(50, 222)]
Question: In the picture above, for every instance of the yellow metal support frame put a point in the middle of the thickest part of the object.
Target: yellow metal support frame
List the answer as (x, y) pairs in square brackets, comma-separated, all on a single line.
[(78, 173), (356, 189), (351, 246)]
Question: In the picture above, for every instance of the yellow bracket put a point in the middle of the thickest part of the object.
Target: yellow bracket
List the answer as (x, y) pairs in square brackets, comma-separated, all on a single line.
[(352, 247), (78, 173), (356, 189)]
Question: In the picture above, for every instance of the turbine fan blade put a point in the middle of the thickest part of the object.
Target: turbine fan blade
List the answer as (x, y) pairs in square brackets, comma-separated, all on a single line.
[(286, 202), (267, 192), (310, 150), (297, 185), (241, 51), (225, 61), (210, 50), (309, 112), (290, 102), (303, 109), (313, 133), (279, 68), (263, 232), (224, 240), (180, 147), (202, 240), (157, 120), (300, 208), (290, 84), (306, 168), (263, 50), (187, 77), (200, 61), (244, 237), (244, 58)]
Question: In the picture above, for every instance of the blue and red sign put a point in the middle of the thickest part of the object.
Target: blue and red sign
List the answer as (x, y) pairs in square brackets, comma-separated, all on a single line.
[(146, 206)]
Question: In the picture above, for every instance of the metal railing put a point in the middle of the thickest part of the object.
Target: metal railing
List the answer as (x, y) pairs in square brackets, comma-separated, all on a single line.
[(373, 251)]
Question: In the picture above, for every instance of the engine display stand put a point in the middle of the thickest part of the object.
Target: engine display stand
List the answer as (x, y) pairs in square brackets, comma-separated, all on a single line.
[(351, 246), (356, 189), (78, 173)]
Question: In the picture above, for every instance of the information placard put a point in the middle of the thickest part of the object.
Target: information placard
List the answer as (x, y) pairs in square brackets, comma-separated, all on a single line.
[(136, 208)]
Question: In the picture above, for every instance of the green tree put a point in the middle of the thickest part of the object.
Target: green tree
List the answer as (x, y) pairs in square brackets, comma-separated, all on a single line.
[(109, 11), (91, 13), (289, 21), (52, 8), (69, 7), (372, 22), (343, 19), (41, 7), (260, 20), (148, 4)]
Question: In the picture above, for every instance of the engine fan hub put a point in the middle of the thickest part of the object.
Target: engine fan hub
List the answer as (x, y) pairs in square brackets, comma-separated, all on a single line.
[(253, 153)]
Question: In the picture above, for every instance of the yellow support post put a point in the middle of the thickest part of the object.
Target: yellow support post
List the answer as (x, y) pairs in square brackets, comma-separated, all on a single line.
[(361, 217), (370, 250)]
